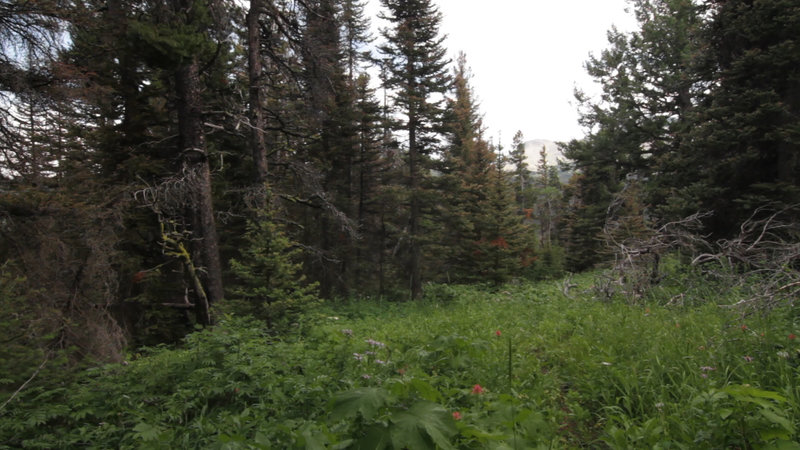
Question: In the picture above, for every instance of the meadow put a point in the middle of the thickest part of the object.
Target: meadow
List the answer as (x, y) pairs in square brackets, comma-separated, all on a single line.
[(523, 366)]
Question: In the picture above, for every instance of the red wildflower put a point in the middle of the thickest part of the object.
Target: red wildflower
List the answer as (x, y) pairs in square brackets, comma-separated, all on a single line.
[(456, 415), (497, 333), (138, 277), (792, 336), (744, 327), (477, 389)]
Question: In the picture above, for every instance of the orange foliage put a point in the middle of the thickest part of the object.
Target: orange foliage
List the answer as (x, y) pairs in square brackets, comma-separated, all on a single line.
[(500, 242)]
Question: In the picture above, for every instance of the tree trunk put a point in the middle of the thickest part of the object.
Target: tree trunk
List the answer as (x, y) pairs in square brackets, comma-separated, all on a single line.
[(257, 141), (195, 164), (415, 266)]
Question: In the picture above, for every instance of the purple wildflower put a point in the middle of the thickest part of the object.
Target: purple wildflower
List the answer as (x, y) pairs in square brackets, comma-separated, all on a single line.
[(375, 343)]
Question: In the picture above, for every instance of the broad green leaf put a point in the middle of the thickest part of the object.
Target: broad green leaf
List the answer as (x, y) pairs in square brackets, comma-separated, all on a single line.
[(782, 445), (366, 401), (741, 392), (311, 440), (377, 438), (785, 423), (146, 432), (413, 427), (425, 390)]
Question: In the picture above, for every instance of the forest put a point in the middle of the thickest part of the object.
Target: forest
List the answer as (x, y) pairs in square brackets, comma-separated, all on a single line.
[(207, 206)]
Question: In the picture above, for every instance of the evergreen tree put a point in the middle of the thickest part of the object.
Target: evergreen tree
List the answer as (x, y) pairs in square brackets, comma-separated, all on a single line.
[(268, 277), (741, 149), (518, 160), (649, 87), (355, 35), (373, 201), (416, 72), (500, 242)]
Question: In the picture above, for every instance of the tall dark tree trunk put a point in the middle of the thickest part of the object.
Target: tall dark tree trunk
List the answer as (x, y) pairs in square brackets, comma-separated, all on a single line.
[(257, 123), (415, 267), (195, 164)]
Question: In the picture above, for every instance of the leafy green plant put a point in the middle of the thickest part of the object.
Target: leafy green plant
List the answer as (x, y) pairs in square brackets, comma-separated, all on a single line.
[(269, 286), (522, 366)]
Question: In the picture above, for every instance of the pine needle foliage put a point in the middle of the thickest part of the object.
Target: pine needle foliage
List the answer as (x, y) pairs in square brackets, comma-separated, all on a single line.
[(269, 282)]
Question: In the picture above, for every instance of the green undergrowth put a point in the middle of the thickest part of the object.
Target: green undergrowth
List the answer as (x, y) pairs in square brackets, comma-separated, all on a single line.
[(523, 366)]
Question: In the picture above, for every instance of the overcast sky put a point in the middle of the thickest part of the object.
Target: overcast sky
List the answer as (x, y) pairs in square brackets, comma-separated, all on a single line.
[(527, 57)]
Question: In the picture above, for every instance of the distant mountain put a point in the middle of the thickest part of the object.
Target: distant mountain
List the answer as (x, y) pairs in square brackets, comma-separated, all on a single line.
[(553, 151), (533, 147)]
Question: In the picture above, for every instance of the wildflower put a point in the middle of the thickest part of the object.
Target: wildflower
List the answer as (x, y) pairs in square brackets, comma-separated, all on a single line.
[(497, 333), (707, 368), (477, 389), (659, 405), (792, 336), (378, 361), (744, 327), (748, 358), (366, 376), (375, 343), (358, 356), (783, 354), (456, 415), (347, 332)]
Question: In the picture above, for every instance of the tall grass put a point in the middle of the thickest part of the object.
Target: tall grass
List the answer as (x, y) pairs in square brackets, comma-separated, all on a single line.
[(523, 366)]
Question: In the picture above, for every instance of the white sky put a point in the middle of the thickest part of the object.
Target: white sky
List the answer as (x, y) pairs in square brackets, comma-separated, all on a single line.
[(527, 57)]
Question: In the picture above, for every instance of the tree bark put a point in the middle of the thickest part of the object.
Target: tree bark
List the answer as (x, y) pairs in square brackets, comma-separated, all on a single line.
[(257, 124), (195, 164), (415, 266)]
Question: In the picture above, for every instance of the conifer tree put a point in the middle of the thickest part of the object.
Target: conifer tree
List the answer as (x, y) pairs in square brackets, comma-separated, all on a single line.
[(518, 160), (269, 283), (648, 86), (500, 236), (741, 149), (416, 72)]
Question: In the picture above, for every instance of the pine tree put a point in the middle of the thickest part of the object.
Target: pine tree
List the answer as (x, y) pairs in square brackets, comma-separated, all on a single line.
[(740, 149), (355, 35), (649, 88), (416, 71), (518, 160), (501, 239), (268, 277), (373, 201)]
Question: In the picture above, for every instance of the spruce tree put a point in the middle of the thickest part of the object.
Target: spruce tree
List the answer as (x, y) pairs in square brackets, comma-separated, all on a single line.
[(649, 88), (741, 149), (414, 58), (518, 161)]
